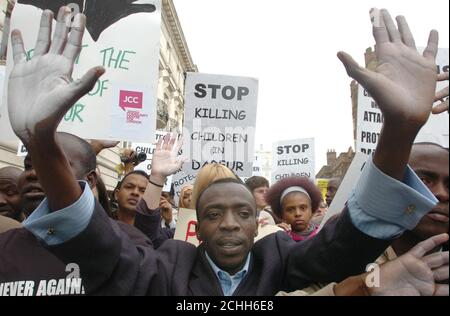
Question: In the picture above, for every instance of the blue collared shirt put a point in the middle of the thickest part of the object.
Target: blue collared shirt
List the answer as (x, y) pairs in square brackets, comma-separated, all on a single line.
[(61, 226), (229, 283), (383, 207), (379, 206)]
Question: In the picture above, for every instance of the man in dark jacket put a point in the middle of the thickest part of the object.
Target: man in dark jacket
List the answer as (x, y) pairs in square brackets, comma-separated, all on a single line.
[(75, 229)]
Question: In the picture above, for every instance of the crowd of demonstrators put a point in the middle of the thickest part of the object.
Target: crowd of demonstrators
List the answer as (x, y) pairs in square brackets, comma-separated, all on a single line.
[(430, 162), (393, 211), (295, 200)]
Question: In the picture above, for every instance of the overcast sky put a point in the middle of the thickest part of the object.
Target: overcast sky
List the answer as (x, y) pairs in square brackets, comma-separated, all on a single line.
[(291, 46)]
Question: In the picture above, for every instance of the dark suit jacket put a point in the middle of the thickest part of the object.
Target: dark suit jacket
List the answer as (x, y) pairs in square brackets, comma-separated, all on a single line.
[(111, 263)]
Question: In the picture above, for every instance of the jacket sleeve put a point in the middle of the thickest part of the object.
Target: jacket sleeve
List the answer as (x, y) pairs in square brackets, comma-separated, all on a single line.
[(149, 222), (109, 261)]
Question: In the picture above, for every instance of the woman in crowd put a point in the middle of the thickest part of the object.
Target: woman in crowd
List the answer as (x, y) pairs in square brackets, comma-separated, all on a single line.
[(295, 200), (186, 196)]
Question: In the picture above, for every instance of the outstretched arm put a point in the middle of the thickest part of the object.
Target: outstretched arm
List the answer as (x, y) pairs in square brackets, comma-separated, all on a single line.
[(40, 92)]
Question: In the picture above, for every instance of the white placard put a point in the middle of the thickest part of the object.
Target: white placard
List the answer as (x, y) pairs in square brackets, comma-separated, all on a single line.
[(220, 120), (293, 158), (122, 105), (180, 180), (370, 119)]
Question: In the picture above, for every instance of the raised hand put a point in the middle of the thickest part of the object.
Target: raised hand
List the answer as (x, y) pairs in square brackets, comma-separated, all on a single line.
[(415, 274), (166, 210), (102, 14), (165, 160), (442, 96), (404, 83), (41, 90)]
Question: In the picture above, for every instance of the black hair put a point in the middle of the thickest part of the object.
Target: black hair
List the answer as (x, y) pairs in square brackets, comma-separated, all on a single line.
[(88, 160), (136, 172), (274, 194)]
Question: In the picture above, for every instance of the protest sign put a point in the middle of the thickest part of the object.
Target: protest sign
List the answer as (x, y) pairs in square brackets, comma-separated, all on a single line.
[(220, 120), (348, 183), (293, 158), (186, 224), (322, 184), (122, 104), (370, 119), (181, 179)]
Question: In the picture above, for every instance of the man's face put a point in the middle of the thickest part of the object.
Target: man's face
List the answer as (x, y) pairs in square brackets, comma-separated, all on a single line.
[(297, 211), (333, 186), (227, 224), (9, 194), (130, 193), (430, 163), (31, 192), (260, 194)]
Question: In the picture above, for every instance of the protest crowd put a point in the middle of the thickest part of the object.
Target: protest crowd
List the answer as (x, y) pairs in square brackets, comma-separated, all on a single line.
[(62, 234)]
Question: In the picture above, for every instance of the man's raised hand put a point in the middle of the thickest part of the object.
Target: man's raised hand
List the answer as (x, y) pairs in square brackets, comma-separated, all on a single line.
[(404, 83), (166, 161), (41, 90)]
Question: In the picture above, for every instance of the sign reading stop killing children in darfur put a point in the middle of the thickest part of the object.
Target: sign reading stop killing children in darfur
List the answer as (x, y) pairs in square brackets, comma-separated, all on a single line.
[(220, 120), (124, 38), (370, 118), (293, 158), (149, 149)]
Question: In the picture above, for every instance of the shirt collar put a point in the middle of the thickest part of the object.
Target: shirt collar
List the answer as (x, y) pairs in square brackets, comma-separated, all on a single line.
[(218, 272)]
